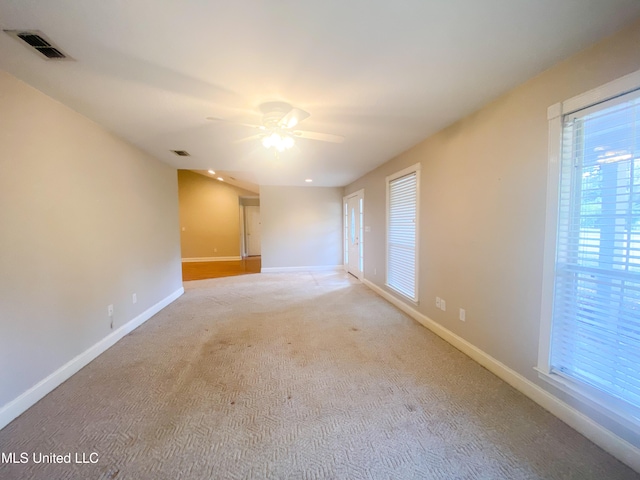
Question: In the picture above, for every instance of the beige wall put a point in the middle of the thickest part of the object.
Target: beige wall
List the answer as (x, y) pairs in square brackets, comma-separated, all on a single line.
[(482, 210), (301, 226), (209, 216), (86, 220)]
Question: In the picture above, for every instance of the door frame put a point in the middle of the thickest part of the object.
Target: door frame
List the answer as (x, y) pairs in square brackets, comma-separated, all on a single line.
[(242, 218), (243, 241), (345, 232)]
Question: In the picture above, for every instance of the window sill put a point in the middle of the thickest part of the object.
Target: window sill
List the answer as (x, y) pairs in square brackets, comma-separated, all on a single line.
[(403, 296), (611, 407)]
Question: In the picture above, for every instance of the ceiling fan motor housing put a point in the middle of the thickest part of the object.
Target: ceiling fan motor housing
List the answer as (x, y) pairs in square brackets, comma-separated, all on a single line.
[(273, 112)]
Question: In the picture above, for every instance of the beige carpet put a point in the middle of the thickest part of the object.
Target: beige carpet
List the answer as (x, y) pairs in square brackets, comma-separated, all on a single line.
[(300, 376)]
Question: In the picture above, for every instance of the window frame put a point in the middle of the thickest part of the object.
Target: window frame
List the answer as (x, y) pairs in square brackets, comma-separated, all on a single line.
[(592, 397), (404, 172)]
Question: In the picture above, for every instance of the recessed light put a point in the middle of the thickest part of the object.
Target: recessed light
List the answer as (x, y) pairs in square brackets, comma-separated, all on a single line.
[(220, 178), (211, 172), (308, 180)]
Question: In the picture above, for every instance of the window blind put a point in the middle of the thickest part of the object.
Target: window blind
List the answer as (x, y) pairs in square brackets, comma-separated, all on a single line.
[(596, 313), (401, 235)]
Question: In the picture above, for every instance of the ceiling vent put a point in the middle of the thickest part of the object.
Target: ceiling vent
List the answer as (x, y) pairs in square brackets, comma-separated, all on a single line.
[(181, 153), (38, 41)]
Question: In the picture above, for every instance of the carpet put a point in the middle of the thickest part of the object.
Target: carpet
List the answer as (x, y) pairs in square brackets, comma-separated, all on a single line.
[(293, 376)]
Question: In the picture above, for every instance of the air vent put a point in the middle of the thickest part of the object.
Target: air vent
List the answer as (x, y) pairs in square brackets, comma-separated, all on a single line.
[(36, 40), (181, 153)]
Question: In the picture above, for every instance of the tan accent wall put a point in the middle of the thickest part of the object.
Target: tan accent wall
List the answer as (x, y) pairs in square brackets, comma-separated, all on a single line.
[(86, 220), (209, 216), (482, 210)]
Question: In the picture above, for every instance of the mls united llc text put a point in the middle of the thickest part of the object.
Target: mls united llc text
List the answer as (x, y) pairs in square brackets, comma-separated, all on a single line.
[(24, 457)]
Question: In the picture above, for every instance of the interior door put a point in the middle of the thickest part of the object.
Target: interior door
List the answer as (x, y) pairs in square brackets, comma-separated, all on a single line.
[(252, 230), (354, 263)]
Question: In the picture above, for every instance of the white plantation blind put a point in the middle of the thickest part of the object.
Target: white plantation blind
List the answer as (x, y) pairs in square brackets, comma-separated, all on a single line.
[(595, 336), (401, 234)]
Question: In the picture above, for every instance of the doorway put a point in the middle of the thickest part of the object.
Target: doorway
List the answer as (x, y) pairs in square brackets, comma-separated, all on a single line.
[(354, 234), (252, 230)]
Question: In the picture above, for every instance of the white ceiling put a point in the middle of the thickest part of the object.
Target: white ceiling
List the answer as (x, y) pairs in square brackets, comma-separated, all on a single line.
[(383, 74)]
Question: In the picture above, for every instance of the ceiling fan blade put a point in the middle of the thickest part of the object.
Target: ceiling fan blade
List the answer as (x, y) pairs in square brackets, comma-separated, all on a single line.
[(323, 137), (231, 122), (250, 138), (293, 118)]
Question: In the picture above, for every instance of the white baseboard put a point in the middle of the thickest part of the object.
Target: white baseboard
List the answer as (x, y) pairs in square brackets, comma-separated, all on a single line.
[(607, 440), (19, 405), (211, 259), (319, 268)]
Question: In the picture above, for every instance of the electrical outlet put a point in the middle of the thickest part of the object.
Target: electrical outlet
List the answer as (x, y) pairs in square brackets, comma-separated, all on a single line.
[(375, 271), (463, 315), (438, 302), (443, 305), (110, 313), (134, 298), (215, 250)]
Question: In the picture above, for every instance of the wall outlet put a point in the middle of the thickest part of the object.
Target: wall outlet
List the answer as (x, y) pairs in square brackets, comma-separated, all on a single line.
[(438, 302), (443, 305), (134, 298), (375, 271), (110, 313), (463, 315), (215, 250)]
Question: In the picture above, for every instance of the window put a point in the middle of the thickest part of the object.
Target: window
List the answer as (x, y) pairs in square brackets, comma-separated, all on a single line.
[(402, 231), (590, 337)]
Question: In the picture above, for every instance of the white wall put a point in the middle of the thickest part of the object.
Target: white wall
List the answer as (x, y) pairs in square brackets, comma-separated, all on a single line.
[(86, 220), (301, 227), (482, 212)]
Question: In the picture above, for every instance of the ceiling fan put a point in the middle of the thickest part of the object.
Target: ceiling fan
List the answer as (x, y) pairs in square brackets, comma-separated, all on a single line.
[(277, 129)]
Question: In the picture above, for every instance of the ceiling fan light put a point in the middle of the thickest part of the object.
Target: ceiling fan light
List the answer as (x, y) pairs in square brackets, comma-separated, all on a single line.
[(278, 141), (288, 142)]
